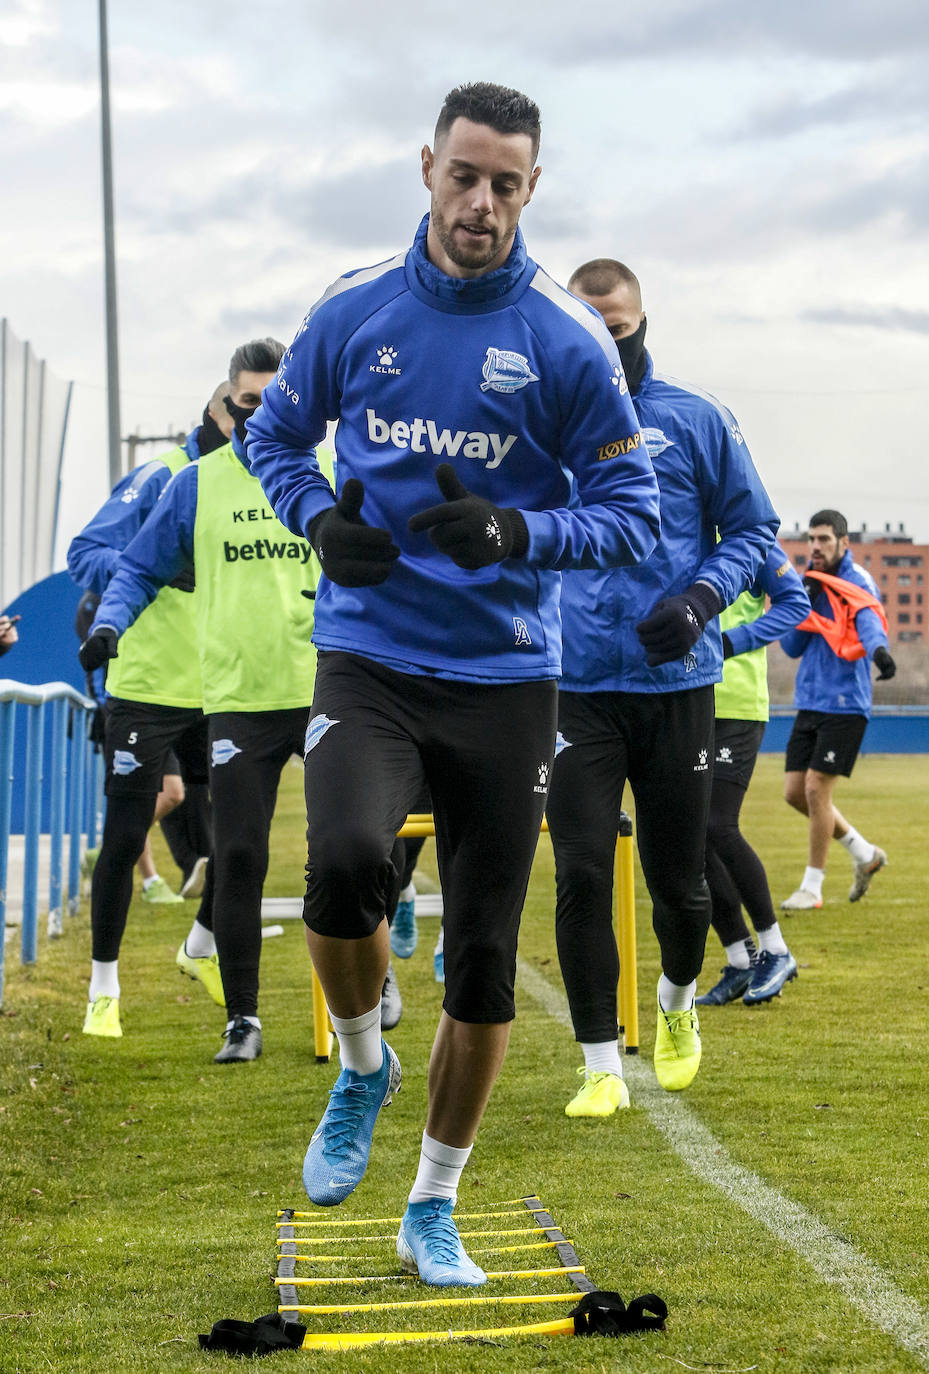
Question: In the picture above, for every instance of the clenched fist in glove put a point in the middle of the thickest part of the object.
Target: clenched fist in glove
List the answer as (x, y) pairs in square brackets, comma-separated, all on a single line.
[(98, 649), (884, 662), (675, 624), (352, 553), (471, 530)]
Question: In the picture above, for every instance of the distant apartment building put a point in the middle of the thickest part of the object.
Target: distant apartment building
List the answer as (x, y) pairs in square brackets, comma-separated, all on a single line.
[(899, 567)]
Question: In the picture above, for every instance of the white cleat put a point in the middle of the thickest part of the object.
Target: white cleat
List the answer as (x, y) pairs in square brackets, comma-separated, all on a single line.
[(802, 900)]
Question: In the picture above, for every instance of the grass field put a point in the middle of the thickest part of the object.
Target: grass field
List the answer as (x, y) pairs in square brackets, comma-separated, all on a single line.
[(140, 1183)]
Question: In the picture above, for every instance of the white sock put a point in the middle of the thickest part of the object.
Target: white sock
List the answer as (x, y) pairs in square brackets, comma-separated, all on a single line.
[(439, 1170), (147, 882), (813, 880), (252, 1021), (739, 954), (861, 850), (104, 979), (772, 940), (200, 943), (673, 997), (602, 1056), (409, 893), (360, 1046)]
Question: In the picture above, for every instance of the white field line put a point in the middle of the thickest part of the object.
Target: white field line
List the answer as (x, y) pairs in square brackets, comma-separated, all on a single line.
[(863, 1283)]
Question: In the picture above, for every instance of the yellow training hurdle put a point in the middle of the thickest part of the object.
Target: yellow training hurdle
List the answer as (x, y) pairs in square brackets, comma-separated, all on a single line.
[(421, 824)]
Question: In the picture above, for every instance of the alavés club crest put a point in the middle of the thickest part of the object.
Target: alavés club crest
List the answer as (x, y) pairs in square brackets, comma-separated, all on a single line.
[(506, 371)]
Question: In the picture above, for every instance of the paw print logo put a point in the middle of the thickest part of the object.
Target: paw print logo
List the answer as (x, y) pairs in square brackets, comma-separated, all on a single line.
[(703, 756), (387, 355), (618, 379), (543, 774)]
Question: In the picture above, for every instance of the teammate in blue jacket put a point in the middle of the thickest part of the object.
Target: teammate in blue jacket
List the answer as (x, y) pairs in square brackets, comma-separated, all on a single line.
[(642, 650), (152, 710), (473, 396), (833, 697)]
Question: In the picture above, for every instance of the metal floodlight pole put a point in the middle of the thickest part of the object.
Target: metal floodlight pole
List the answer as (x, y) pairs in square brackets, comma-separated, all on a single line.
[(109, 254)]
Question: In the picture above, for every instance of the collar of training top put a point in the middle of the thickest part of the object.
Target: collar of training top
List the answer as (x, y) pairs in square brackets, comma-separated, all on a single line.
[(467, 290)]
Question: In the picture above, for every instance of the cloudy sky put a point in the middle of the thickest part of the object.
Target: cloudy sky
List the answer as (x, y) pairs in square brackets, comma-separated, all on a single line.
[(764, 169)]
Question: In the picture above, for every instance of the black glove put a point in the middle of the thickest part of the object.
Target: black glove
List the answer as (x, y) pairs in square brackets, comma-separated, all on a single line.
[(352, 553), (885, 663), (185, 580), (728, 650), (675, 624), (472, 531), (96, 650)]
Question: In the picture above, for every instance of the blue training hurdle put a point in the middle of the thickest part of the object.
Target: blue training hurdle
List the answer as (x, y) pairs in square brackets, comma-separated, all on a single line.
[(73, 789)]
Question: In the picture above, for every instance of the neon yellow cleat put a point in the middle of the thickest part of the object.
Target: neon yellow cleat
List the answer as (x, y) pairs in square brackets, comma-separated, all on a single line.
[(103, 1017), (677, 1048), (601, 1094), (205, 971), (159, 892)]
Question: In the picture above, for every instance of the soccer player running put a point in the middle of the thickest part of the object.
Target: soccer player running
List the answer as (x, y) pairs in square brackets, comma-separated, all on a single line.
[(845, 633), (642, 651), (153, 706), (256, 661), (485, 442), (734, 872)]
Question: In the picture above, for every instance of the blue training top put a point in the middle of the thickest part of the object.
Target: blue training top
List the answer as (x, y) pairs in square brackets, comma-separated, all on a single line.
[(717, 525), (513, 381), (826, 682)]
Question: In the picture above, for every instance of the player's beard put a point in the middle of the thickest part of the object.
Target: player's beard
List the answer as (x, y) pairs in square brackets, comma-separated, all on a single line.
[(474, 257)]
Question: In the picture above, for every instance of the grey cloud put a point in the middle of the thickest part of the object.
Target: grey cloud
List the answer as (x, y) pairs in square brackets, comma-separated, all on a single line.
[(731, 28), (902, 192), (901, 96), (894, 318)]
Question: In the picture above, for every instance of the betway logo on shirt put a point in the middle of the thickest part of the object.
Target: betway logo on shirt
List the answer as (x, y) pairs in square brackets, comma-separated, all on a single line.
[(424, 436), (267, 548)]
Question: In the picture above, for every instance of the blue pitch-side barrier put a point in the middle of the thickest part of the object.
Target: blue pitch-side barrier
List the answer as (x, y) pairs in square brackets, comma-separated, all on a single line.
[(46, 652), (891, 730), (57, 714)]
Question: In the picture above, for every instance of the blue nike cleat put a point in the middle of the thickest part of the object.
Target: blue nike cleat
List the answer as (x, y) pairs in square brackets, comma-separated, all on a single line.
[(337, 1155), (403, 932), (429, 1245), (732, 984), (768, 977)]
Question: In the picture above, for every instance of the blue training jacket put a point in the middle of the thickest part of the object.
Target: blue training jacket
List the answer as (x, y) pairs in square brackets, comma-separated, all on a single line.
[(514, 382), (780, 581), (826, 682), (94, 553), (708, 482)]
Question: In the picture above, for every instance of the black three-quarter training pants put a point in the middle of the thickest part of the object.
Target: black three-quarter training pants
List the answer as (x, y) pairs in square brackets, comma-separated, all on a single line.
[(663, 744), (734, 872), (139, 736), (485, 751), (248, 750)]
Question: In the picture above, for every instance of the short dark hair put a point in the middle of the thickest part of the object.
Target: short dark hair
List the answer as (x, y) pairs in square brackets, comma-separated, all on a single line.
[(830, 517), (222, 389), (600, 276), (501, 108), (260, 355)]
